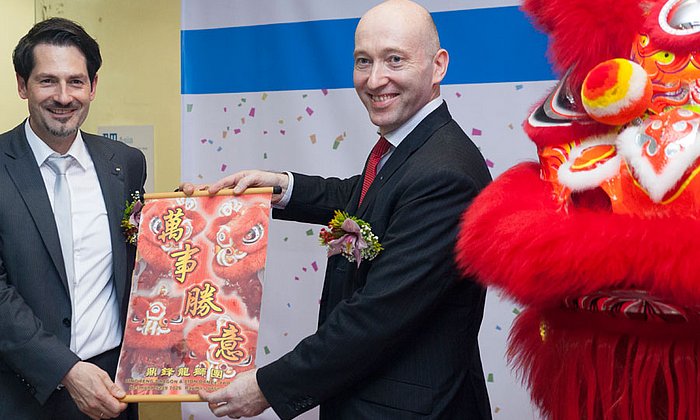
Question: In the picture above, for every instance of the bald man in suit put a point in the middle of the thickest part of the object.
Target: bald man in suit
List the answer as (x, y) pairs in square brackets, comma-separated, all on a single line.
[(397, 336)]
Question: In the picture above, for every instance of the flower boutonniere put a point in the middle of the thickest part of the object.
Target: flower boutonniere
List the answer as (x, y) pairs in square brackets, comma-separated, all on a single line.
[(132, 217), (351, 237)]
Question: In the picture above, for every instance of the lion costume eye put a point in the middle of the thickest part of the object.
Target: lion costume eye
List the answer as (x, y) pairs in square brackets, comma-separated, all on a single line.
[(664, 57), (643, 40), (156, 225), (254, 234), (223, 237)]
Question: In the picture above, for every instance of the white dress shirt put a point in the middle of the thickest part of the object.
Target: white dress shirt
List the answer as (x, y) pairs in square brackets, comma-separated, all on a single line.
[(394, 138), (95, 326)]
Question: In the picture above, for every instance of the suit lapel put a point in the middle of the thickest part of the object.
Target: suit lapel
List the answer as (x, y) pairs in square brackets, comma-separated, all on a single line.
[(111, 178), (408, 146), (24, 171)]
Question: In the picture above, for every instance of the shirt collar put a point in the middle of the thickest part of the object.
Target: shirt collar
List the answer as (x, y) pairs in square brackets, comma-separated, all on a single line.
[(42, 151), (396, 137)]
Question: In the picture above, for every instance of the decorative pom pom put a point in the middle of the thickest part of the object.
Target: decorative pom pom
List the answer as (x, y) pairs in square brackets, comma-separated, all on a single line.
[(616, 91)]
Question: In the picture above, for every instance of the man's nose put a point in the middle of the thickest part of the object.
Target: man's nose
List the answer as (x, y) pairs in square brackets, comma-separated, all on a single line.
[(62, 95), (377, 77)]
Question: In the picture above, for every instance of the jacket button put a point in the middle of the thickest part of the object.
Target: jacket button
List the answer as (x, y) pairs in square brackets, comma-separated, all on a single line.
[(66, 322)]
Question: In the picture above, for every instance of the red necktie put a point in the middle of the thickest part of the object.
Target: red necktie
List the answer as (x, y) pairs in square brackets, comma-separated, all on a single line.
[(375, 156)]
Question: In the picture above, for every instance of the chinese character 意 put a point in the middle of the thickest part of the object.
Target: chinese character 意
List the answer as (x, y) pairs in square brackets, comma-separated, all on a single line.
[(229, 343)]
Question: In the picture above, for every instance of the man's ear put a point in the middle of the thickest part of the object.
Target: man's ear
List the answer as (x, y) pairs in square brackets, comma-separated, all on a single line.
[(21, 86), (440, 63), (93, 88)]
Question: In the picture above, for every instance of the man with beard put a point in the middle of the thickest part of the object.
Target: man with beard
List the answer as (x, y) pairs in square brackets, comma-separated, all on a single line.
[(65, 266)]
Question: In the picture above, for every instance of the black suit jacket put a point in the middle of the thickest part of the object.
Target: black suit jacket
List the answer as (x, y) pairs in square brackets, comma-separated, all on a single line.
[(35, 308), (397, 338)]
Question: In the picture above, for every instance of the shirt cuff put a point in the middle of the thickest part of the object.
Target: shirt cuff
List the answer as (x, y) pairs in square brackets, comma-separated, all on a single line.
[(287, 194)]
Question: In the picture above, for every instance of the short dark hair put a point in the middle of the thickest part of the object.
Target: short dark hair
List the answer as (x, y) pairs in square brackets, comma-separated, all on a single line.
[(59, 32)]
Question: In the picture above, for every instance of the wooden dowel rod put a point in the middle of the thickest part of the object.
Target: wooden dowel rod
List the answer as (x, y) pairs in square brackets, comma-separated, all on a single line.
[(161, 398), (202, 193)]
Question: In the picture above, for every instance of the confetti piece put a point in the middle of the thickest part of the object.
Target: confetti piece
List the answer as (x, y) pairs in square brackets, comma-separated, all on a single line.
[(203, 141), (476, 132), (224, 133), (498, 328), (289, 305), (325, 92), (211, 141), (296, 278), (218, 149), (337, 141), (239, 105), (314, 266), (265, 157), (303, 269), (299, 118), (310, 232), (489, 378), (223, 167), (304, 95), (489, 163), (225, 109), (243, 100), (516, 311), (280, 121), (189, 107), (243, 120), (312, 138), (459, 95), (252, 112), (264, 131), (267, 350), (264, 96), (518, 87), (285, 334), (497, 410), (286, 238), (236, 131), (309, 111), (283, 132), (200, 176), (510, 126)]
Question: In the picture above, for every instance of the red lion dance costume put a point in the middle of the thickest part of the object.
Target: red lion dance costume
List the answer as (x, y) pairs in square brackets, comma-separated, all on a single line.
[(600, 241)]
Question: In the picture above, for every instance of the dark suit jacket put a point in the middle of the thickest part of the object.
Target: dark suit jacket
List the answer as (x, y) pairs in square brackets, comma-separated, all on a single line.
[(35, 309), (397, 338)]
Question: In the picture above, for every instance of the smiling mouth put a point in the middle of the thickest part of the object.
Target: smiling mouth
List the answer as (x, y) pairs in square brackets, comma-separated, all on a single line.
[(382, 98), (62, 113), (61, 110)]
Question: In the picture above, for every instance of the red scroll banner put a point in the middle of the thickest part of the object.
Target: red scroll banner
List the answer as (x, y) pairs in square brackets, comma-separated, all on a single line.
[(195, 299)]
